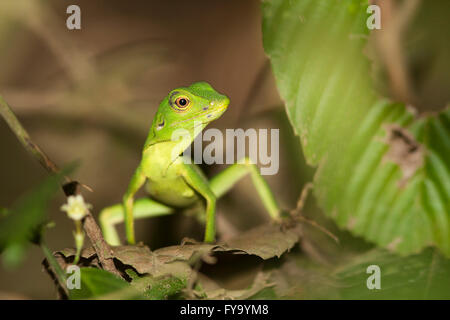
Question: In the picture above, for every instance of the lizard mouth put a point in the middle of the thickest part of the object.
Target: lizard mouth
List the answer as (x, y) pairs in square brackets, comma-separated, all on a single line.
[(218, 111), (210, 116)]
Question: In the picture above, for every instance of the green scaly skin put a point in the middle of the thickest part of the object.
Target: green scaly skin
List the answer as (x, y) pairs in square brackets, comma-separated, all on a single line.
[(172, 183)]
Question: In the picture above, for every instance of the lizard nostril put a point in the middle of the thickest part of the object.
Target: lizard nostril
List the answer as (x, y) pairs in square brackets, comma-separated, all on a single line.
[(205, 108)]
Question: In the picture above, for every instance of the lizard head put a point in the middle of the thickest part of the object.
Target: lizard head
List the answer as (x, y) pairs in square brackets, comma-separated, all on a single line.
[(190, 108)]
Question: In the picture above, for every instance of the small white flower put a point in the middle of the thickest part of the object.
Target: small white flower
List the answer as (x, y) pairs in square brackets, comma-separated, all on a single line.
[(75, 207)]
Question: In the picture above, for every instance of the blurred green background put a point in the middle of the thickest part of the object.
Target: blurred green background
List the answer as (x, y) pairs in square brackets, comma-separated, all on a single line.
[(90, 95)]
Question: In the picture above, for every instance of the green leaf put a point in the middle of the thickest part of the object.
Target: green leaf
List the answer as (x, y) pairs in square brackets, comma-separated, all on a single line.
[(382, 173), (24, 221), (95, 283), (421, 276)]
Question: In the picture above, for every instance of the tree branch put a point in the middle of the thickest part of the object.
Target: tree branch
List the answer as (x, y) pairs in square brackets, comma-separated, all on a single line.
[(90, 226)]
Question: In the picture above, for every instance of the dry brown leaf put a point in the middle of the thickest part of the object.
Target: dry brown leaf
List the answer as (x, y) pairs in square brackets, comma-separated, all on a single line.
[(212, 290), (267, 241)]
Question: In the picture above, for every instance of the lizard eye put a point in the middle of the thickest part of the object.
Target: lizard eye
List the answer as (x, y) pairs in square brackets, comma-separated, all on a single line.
[(182, 103)]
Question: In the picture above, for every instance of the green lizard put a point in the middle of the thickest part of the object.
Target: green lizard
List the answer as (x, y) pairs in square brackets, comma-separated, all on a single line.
[(172, 182)]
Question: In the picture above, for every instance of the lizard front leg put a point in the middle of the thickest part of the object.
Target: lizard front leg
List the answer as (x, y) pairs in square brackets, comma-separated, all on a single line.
[(199, 184), (135, 184), (225, 180), (142, 208)]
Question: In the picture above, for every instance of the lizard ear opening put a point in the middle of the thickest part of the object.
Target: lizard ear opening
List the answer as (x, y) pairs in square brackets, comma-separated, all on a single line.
[(160, 126), (160, 123)]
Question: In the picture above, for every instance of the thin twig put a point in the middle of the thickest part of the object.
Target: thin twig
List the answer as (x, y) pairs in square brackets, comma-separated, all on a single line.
[(297, 212), (59, 272), (395, 19), (303, 196), (24, 138), (90, 226), (318, 226)]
